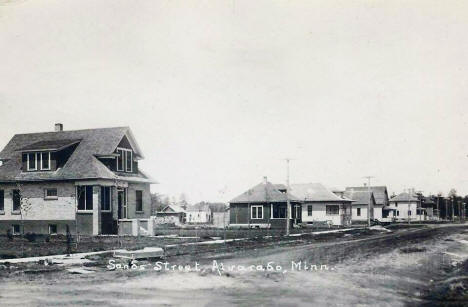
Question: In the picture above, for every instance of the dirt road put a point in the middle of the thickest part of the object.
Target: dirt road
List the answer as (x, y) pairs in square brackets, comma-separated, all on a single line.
[(406, 267)]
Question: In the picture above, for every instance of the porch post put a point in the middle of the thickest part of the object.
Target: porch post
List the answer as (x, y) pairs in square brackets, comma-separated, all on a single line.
[(136, 227), (115, 206), (96, 210), (150, 226)]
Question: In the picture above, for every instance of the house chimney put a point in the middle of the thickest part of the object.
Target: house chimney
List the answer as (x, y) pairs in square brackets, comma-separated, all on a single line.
[(58, 127)]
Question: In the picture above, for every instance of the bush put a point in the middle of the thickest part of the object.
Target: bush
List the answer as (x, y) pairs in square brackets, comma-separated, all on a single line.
[(30, 236), (9, 235)]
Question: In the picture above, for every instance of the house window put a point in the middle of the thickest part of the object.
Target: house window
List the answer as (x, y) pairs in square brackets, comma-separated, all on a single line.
[(358, 212), (332, 209), (279, 212), (139, 201), (397, 213), (45, 161), (38, 161), (120, 160), (105, 198), (309, 210), (129, 161), (2, 200), (50, 193), (16, 201), (85, 198), (124, 160), (32, 161), (257, 212), (16, 229), (396, 204), (52, 229), (409, 212)]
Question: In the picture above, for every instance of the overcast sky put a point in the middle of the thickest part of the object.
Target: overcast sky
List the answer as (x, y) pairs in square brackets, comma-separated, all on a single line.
[(218, 93)]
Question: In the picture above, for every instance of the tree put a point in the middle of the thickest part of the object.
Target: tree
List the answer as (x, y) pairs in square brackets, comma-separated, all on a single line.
[(183, 200), (158, 202), (25, 207), (452, 193)]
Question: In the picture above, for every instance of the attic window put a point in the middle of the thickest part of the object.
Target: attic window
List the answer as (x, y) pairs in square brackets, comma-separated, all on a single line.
[(124, 160)]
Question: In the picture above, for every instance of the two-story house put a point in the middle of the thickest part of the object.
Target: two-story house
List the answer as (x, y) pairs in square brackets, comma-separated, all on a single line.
[(406, 206), (86, 179)]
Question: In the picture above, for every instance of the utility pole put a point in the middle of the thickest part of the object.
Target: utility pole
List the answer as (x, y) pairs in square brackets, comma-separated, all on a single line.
[(409, 205), (370, 199), (453, 213), (288, 203)]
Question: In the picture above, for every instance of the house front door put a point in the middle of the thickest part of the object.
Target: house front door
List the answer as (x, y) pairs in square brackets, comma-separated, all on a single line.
[(122, 204), (297, 214)]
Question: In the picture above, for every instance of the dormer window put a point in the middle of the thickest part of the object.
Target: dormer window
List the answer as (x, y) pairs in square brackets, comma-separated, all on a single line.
[(124, 160), (32, 161), (45, 161), (38, 161)]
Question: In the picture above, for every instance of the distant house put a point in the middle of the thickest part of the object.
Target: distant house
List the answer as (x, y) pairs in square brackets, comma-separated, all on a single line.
[(361, 201), (406, 206), (220, 214), (172, 214), (263, 206), (322, 205), (430, 206), (199, 214), (83, 180), (381, 199)]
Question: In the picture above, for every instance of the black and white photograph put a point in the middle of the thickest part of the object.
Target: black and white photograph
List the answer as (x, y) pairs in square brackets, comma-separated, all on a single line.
[(233, 153)]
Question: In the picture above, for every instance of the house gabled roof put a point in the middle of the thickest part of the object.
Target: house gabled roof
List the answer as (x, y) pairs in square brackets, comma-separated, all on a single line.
[(405, 196), (199, 207), (263, 193), (173, 209), (315, 192), (380, 193), (82, 164), (360, 197)]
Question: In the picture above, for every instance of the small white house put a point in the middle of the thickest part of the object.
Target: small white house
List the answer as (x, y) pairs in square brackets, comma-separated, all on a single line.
[(380, 197), (321, 205), (199, 214), (361, 201)]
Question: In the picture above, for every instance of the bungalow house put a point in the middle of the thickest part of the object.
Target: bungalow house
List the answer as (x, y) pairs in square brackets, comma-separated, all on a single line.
[(263, 206), (381, 199), (322, 205), (406, 206), (86, 180), (171, 214), (362, 201), (199, 214)]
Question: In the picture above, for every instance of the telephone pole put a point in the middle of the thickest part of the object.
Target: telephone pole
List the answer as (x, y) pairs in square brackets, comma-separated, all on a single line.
[(288, 203), (370, 199)]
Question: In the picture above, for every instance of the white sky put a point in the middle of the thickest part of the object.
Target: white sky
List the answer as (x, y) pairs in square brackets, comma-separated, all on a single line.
[(217, 93)]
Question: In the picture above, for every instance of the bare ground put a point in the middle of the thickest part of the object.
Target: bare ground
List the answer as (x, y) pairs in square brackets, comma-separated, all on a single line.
[(407, 267)]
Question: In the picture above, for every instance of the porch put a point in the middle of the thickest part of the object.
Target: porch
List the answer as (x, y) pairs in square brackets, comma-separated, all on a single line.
[(100, 206)]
